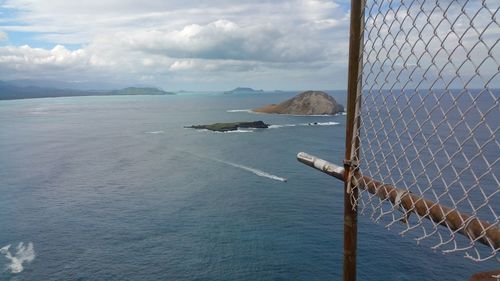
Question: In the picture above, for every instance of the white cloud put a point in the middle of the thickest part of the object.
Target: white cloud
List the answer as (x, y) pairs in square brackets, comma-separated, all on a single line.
[(168, 40), (290, 42), (317, 10), (25, 57), (93, 17), (431, 45), (223, 40)]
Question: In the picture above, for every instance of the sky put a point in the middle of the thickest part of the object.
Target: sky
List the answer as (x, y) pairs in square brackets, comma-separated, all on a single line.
[(177, 45), (263, 44)]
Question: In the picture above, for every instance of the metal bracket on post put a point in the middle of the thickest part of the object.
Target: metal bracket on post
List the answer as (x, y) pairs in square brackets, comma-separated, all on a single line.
[(351, 165)]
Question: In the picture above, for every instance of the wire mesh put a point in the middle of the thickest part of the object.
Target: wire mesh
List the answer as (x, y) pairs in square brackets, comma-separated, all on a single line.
[(428, 116)]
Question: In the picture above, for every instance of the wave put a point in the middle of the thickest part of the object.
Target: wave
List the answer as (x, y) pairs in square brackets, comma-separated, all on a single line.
[(155, 132), (300, 115), (270, 127), (238, 131), (282, 126), (304, 124), (228, 132), (326, 123), (24, 254), (318, 115), (240, 110), (312, 115)]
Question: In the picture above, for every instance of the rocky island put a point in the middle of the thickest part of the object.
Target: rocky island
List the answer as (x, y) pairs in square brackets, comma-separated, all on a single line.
[(234, 126), (306, 103)]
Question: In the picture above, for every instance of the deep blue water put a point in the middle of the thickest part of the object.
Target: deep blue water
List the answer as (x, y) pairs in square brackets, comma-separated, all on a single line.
[(114, 188)]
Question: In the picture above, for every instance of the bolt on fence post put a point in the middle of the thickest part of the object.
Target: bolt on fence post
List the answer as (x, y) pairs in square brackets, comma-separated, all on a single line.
[(352, 143)]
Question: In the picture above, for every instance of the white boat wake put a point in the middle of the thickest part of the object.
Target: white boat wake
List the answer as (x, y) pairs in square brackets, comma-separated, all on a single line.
[(257, 172)]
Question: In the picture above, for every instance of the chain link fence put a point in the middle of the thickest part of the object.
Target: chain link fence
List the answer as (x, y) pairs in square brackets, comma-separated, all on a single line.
[(428, 119)]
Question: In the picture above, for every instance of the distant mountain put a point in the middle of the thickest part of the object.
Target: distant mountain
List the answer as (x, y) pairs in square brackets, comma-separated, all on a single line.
[(74, 85), (11, 91), (306, 103), (240, 90), (140, 91)]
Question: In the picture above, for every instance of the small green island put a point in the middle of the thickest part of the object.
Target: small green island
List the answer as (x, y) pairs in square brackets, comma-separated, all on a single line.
[(233, 126)]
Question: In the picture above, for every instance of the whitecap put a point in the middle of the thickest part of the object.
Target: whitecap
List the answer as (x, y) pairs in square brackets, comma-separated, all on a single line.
[(24, 254), (282, 126), (304, 124), (312, 115), (155, 132), (318, 115), (239, 110), (227, 132), (238, 131), (326, 123)]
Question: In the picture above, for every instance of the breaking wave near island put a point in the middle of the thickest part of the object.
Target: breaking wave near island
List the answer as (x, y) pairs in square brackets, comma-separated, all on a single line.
[(300, 115), (304, 124), (239, 131), (276, 126), (240, 110), (229, 132), (24, 254)]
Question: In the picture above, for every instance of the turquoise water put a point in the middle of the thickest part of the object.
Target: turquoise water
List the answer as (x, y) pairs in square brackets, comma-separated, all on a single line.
[(114, 188)]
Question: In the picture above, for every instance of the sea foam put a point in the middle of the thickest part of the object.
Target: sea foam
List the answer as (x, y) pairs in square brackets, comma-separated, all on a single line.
[(282, 126), (326, 123), (240, 110), (239, 131), (24, 254), (304, 124)]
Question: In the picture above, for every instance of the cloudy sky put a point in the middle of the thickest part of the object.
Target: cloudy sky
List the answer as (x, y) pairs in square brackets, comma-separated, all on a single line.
[(192, 45)]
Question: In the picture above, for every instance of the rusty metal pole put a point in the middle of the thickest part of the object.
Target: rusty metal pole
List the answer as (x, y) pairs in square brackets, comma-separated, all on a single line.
[(352, 142), (470, 226)]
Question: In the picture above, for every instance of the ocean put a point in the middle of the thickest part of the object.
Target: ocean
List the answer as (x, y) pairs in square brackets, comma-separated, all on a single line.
[(114, 188)]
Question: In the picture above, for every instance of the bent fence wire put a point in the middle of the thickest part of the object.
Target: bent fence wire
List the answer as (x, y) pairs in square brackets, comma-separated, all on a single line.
[(428, 117)]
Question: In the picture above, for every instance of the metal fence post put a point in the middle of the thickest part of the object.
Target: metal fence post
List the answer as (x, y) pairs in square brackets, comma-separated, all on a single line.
[(421, 125), (352, 144)]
